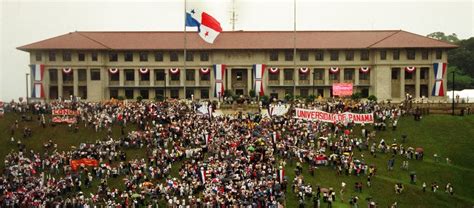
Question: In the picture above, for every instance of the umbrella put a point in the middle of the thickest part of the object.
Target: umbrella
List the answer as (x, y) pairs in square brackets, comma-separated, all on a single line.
[(419, 149), (324, 190), (147, 183), (251, 148), (136, 195)]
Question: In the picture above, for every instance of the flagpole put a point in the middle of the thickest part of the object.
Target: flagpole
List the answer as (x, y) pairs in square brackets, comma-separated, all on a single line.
[(294, 46), (185, 41)]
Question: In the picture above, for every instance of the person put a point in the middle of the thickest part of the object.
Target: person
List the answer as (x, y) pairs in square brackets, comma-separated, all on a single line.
[(424, 187)]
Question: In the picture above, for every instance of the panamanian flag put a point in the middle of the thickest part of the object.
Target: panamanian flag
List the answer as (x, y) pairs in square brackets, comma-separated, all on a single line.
[(208, 27), (439, 72)]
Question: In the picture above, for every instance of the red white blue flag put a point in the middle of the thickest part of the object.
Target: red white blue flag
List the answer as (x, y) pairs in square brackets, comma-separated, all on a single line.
[(219, 74), (37, 73), (439, 71), (208, 27), (258, 70)]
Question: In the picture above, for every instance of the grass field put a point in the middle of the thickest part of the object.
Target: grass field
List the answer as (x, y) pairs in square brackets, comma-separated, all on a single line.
[(447, 136)]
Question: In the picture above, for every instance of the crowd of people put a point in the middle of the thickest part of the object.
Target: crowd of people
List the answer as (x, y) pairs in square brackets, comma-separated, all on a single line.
[(233, 160)]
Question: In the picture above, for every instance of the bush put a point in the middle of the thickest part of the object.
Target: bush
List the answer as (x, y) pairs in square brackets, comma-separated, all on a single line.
[(139, 98), (228, 93), (289, 97), (310, 98), (159, 98), (356, 96), (252, 93), (120, 98), (372, 98)]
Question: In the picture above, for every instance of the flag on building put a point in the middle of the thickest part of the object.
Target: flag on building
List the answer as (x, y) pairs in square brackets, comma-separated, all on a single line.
[(439, 71), (208, 27), (37, 73), (219, 74), (258, 70)]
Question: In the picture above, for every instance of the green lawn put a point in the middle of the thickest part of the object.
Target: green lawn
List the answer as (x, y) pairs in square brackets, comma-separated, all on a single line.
[(448, 136)]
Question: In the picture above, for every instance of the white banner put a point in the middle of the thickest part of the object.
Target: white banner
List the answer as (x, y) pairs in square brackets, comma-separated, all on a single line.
[(278, 110), (317, 115)]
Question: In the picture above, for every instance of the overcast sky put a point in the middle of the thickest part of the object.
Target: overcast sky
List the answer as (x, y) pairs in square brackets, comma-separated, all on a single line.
[(23, 22)]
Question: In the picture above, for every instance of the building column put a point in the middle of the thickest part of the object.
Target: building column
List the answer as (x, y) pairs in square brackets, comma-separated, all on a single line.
[(356, 77), (75, 82), (196, 77), (417, 82), (326, 76), (152, 77), (311, 81), (137, 77), (229, 78), (402, 83), (431, 81), (281, 73), (250, 81), (296, 73), (60, 83), (121, 77), (341, 75)]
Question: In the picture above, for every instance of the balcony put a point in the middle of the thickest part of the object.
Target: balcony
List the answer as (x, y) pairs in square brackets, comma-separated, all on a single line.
[(144, 83), (303, 82), (409, 81), (129, 83), (334, 81), (190, 83), (318, 82), (82, 82), (273, 82), (159, 83), (288, 82), (204, 83), (53, 82), (175, 83), (364, 82), (114, 83), (67, 82)]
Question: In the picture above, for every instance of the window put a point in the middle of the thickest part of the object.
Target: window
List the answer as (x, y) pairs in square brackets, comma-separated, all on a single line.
[(302, 76), (318, 74), (288, 74), (334, 76), (143, 56), (129, 93), (239, 76), (383, 55), (439, 54), (68, 77), (319, 56), (189, 56), (159, 74), (349, 55), (273, 55), (204, 56), (274, 77), (38, 56), (144, 94), (66, 56), (114, 77), (396, 54), (81, 57), (94, 56), (159, 56), (159, 93), (82, 74), (53, 75), (174, 56), (190, 74), (411, 53), (334, 55), (348, 74), (128, 56), (424, 73), (364, 55), (304, 92), (204, 94), (95, 74), (145, 77), (129, 75), (304, 56), (395, 73), (174, 93), (205, 77), (113, 57), (113, 94), (364, 76), (174, 77), (189, 93), (288, 55), (52, 56), (424, 54), (409, 75)]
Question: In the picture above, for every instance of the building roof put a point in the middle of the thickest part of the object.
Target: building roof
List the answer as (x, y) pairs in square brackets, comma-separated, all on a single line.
[(238, 40)]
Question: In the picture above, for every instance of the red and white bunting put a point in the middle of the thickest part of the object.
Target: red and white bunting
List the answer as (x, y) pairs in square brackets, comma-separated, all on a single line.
[(334, 70), (364, 69), (274, 70), (144, 70), (67, 70), (204, 70), (174, 70), (113, 70), (304, 70), (410, 69)]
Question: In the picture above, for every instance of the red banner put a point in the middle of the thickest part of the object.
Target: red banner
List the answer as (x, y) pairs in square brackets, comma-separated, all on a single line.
[(58, 119), (318, 115), (64, 112), (84, 161), (342, 89)]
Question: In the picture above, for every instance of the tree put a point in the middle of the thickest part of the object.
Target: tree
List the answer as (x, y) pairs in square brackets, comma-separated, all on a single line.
[(463, 57), (461, 80), (453, 38)]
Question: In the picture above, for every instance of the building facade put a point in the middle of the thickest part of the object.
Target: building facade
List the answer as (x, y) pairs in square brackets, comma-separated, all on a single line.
[(102, 65)]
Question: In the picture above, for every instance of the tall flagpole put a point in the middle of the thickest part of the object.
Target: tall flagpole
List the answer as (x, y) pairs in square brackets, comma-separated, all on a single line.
[(185, 41), (294, 47)]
